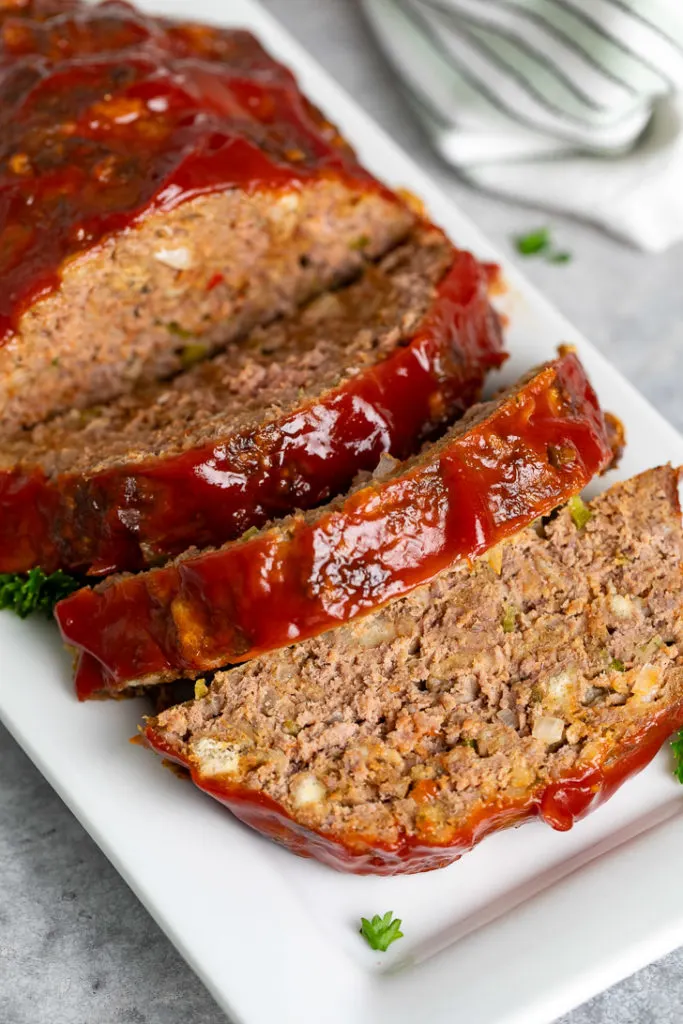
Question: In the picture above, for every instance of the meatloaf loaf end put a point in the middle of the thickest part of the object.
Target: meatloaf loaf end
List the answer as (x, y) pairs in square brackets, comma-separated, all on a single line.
[(281, 420), (159, 182), (532, 683), (506, 462)]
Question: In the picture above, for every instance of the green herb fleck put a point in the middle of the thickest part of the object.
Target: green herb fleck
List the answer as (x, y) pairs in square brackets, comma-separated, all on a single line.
[(192, 354), (381, 931), (55, 361), (290, 727), (180, 332), (617, 665), (677, 747), (534, 242), (35, 591), (579, 511), (509, 618), (360, 243), (539, 243), (251, 532)]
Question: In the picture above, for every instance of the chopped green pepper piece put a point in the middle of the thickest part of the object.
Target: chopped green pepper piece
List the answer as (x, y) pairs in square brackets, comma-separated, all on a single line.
[(509, 618), (180, 332), (579, 511), (192, 354)]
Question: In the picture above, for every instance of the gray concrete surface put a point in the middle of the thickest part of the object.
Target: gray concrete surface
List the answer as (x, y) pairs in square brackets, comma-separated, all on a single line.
[(75, 945)]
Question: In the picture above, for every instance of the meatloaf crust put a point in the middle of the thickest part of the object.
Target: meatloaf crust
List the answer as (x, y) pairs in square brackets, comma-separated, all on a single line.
[(156, 174), (532, 683), (281, 420), (505, 463)]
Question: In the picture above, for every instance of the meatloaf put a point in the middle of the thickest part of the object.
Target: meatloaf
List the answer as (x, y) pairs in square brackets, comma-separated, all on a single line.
[(532, 683), (284, 419), (505, 463), (158, 181)]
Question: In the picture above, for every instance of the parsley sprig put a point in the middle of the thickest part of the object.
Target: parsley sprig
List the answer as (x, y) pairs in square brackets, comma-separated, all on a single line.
[(381, 931), (35, 591), (677, 747)]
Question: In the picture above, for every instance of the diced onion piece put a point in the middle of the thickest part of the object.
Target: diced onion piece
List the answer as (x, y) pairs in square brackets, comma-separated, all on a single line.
[(621, 606), (281, 208), (385, 467), (649, 650), (177, 259), (647, 683), (560, 688), (216, 757), (308, 790), (375, 632), (548, 729), (494, 556)]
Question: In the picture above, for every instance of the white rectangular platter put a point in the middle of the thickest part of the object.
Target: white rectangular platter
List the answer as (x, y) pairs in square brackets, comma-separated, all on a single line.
[(526, 926)]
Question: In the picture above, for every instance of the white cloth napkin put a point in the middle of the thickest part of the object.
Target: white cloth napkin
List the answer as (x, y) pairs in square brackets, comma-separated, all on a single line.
[(573, 105)]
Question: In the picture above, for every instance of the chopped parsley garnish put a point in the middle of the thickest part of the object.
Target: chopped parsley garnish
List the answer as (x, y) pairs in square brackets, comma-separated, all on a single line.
[(579, 511), (533, 243), (617, 665), (35, 591), (173, 327), (539, 243), (677, 747), (381, 931)]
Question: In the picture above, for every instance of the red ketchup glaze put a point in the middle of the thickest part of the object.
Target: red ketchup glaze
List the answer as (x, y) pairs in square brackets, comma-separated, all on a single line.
[(531, 453), (106, 114), (114, 520), (559, 804)]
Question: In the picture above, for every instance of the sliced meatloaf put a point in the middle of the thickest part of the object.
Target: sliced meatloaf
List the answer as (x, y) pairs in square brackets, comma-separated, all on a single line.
[(281, 420), (532, 683), (505, 463), (158, 181)]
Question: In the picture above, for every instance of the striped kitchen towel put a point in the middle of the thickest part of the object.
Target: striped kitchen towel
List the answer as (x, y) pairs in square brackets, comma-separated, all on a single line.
[(574, 105)]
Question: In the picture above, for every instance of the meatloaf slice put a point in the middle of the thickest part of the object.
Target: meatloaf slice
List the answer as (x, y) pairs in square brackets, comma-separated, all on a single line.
[(505, 463), (158, 181), (282, 420), (530, 683)]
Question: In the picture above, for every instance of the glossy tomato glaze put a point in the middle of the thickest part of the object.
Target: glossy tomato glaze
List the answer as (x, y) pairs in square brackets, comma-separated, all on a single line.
[(534, 450), (126, 516), (106, 114), (559, 804)]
